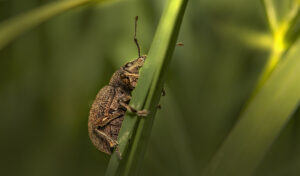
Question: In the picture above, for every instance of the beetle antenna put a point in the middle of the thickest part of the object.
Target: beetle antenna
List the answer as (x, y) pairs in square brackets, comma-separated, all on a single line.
[(135, 39)]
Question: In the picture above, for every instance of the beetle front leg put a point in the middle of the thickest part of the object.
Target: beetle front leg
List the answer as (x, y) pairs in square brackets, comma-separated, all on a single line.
[(136, 75), (141, 113)]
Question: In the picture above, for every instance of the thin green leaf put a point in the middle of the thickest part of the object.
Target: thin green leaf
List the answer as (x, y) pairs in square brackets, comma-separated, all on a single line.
[(16, 26), (270, 13), (262, 121), (147, 93)]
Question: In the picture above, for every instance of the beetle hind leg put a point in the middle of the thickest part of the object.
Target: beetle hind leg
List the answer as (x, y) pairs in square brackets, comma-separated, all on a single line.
[(113, 144)]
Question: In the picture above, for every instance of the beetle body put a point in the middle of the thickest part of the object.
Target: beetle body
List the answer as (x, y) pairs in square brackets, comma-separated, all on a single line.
[(110, 105)]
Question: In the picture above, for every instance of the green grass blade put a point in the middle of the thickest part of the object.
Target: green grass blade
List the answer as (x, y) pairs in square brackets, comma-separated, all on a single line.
[(16, 26), (147, 93), (270, 13), (262, 120)]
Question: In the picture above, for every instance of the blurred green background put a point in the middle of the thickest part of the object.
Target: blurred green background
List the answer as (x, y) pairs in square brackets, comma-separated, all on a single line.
[(50, 76)]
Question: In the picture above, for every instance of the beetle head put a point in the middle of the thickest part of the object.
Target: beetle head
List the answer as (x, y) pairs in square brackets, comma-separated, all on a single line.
[(134, 66)]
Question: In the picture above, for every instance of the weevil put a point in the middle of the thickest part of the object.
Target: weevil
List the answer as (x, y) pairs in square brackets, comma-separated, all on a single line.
[(112, 102)]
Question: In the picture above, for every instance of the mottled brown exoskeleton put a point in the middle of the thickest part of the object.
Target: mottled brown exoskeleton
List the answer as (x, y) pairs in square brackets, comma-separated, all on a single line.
[(112, 102)]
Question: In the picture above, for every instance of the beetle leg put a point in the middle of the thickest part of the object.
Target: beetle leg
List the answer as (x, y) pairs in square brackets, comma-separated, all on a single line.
[(105, 120), (141, 113), (112, 143), (126, 98), (131, 74)]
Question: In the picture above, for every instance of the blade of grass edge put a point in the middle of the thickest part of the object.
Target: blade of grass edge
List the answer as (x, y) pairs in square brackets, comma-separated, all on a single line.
[(16, 26), (262, 121), (147, 93)]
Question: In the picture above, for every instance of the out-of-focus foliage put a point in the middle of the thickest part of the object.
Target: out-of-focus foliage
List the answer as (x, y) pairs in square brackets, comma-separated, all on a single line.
[(50, 76)]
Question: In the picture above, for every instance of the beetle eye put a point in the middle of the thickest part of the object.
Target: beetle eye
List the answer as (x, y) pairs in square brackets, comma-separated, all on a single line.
[(129, 64)]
